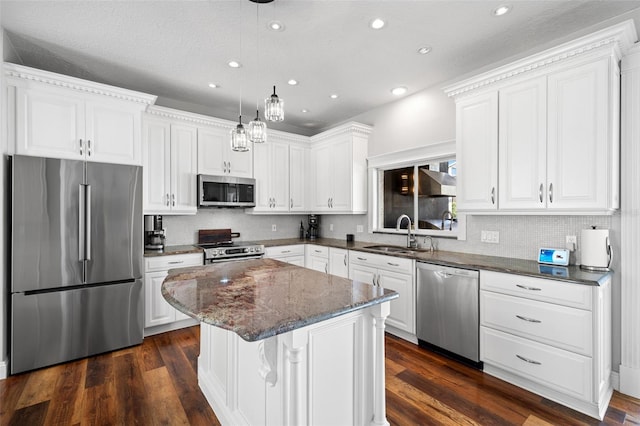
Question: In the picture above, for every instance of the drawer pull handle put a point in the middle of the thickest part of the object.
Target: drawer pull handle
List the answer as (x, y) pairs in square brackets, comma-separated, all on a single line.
[(528, 288), (530, 361), (176, 262), (528, 319), (393, 264), (362, 258), (318, 251), (285, 251)]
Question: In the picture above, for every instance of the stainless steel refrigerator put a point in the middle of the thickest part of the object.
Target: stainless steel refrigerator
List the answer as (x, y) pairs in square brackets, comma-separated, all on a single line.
[(76, 260)]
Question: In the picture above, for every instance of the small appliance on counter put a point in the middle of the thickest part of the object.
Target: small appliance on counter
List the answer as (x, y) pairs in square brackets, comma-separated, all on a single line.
[(314, 223), (153, 233), (596, 252)]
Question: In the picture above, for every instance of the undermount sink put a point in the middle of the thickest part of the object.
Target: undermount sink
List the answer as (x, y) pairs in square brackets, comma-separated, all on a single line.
[(391, 249)]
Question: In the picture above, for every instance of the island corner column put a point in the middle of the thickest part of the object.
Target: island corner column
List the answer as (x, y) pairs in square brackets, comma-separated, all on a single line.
[(380, 313)]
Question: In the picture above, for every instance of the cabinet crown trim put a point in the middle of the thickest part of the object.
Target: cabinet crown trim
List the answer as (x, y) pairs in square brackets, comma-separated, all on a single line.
[(614, 40), (32, 74), (351, 127)]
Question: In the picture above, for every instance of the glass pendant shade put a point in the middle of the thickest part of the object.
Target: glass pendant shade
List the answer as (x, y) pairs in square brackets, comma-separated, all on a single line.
[(239, 138), (274, 107), (257, 130)]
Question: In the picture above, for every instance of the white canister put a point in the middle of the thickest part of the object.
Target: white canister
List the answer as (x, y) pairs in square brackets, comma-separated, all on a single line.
[(596, 251)]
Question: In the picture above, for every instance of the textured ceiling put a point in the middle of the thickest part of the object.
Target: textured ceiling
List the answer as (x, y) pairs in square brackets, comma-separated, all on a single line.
[(173, 49)]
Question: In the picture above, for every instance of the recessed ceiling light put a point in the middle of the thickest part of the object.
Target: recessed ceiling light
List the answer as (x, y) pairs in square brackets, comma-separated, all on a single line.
[(305, 111), (214, 86), (377, 24), (501, 10), (234, 64), (424, 50), (276, 26), (399, 90), (334, 96), (293, 82)]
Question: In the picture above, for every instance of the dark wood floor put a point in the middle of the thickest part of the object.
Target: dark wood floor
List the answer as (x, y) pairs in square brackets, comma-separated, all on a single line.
[(156, 384)]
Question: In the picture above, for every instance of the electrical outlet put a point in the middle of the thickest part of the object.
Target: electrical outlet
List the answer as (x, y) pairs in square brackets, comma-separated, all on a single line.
[(331, 227), (359, 228), (274, 228), (492, 237), (571, 242)]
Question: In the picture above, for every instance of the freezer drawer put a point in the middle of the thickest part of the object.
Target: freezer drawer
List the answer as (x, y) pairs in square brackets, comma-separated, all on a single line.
[(53, 327)]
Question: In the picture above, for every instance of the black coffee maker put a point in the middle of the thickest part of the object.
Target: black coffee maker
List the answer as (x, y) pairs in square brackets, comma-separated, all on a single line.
[(314, 223), (153, 233)]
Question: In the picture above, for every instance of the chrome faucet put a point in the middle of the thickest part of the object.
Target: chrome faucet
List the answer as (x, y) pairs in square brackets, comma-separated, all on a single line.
[(444, 217), (411, 240)]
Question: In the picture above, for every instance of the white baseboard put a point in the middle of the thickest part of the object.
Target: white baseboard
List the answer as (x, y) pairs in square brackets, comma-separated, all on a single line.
[(4, 369), (629, 381), (615, 380)]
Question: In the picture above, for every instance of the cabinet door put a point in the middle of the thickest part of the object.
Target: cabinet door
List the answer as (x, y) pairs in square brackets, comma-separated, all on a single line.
[(298, 157), (363, 274), (156, 156), (113, 132), (317, 263), (341, 176), (477, 152), (523, 145), (157, 310), (212, 142), (239, 164), (294, 260), (262, 175), (183, 168), (322, 182), (49, 124), (402, 315), (579, 145), (279, 175), (339, 262)]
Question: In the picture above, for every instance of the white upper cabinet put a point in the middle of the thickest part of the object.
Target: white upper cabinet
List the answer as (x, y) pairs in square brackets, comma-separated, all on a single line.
[(298, 171), (522, 145), (215, 156), (272, 176), (581, 145), (477, 152), (170, 162), (64, 117), (557, 146), (339, 170)]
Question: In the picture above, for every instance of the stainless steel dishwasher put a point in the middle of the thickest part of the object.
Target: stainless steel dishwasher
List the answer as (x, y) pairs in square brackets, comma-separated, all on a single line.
[(448, 311)]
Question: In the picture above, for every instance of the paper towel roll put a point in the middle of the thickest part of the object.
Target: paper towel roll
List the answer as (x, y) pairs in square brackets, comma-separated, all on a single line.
[(596, 249)]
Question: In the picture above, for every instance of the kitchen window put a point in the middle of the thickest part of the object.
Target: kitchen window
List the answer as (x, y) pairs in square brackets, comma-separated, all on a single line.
[(420, 183)]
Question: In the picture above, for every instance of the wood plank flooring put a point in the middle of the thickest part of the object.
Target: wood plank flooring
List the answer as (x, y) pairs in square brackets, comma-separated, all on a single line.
[(156, 384)]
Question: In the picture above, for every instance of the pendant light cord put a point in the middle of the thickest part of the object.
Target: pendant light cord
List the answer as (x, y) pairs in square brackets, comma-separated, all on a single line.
[(257, 59)]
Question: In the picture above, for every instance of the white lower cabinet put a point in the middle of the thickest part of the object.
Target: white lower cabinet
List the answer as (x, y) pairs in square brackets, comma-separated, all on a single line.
[(293, 254), (550, 337), (339, 262), (158, 312), (392, 273), (317, 258)]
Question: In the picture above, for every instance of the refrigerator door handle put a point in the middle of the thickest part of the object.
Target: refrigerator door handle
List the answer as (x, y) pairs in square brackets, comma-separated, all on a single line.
[(81, 223), (88, 223)]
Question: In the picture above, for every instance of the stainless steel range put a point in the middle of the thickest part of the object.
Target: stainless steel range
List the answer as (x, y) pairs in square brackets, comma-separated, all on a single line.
[(218, 246)]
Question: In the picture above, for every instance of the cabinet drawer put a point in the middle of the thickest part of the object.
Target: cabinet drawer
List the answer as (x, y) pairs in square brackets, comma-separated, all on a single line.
[(559, 326), (319, 251), (163, 263), (293, 250), (561, 370), (553, 291), (389, 263)]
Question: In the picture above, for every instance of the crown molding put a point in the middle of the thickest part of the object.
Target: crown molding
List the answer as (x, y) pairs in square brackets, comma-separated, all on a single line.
[(616, 40), (190, 117), (351, 128), (411, 156), (22, 72)]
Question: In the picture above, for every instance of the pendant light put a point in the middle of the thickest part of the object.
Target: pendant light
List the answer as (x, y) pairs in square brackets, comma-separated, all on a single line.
[(257, 129), (239, 135), (274, 107)]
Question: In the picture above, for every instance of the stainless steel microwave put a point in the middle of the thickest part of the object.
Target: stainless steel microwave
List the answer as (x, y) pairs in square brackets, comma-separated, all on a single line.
[(226, 191)]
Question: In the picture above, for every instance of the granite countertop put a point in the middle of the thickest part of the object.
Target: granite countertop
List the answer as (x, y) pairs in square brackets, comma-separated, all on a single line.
[(169, 250), (260, 298), (531, 268)]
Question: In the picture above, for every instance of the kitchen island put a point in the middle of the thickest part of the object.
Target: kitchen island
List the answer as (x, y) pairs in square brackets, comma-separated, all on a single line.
[(285, 345)]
